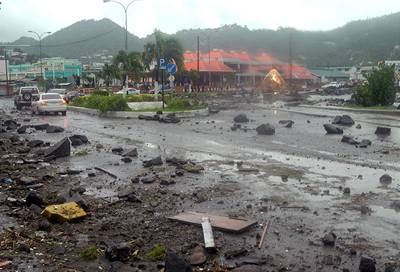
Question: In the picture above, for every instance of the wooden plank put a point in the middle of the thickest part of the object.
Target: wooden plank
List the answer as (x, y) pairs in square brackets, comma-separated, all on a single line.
[(218, 222)]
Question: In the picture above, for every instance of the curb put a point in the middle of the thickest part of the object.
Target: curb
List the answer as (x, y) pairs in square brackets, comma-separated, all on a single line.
[(387, 112), (135, 115)]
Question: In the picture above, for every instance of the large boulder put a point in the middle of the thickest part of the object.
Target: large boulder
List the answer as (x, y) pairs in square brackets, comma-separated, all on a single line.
[(367, 264), (383, 131), (118, 252), (77, 140), (59, 150), (349, 139), (54, 129), (241, 118), (40, 126), (331, 129), (174, 263), (265, 129), (170, 118), (132, 153), (153, 162), (344, 120)]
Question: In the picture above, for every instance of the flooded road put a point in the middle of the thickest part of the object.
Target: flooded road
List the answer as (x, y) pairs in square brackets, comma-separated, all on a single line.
[(300, 168)]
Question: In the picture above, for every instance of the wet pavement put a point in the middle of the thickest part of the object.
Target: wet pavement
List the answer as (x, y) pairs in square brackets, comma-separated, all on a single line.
[(297, 176)]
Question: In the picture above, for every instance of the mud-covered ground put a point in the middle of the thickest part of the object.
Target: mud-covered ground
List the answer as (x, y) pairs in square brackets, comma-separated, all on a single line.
[(294, 179)]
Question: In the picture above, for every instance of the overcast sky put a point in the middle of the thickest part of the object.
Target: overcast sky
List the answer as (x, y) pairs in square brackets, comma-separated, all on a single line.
[(19, 16)]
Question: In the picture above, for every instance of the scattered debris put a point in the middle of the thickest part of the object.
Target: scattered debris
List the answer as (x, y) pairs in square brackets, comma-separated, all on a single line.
[(241, 118), (78, 140), (174, 263), (385, 180), (383, 131), (153, 162), (198, 256), (218, 222), (349, 139), (54, 129), (344, 120), (118, 252), (367, 264), (59, 150), (208, 234), (329, 239), (264, 234), (106, 172), (132, 153)]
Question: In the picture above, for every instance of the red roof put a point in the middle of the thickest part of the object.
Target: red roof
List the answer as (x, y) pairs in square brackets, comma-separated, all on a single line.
[(267, 59), (298, 72), (205, 66)]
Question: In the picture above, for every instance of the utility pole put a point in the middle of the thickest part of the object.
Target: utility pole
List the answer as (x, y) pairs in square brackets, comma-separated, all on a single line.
[(198, 61), (40, 36), (209, 61), (6, 64), (290, 60)]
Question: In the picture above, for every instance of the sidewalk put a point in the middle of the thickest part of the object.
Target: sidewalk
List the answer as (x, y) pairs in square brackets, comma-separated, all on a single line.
[(373, 111)]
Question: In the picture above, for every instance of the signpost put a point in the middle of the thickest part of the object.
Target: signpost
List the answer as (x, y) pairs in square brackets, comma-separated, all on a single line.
[(171, 69)]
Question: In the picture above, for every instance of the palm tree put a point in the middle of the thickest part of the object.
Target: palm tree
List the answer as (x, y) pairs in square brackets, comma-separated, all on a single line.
[(130, 65), (108, 73)]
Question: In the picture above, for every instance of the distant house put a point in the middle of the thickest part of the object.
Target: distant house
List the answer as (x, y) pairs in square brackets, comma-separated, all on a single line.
[(326, 75)]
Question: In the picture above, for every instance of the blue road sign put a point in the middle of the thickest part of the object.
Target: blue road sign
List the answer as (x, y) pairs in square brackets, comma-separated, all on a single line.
[(171, 68), (162, 64)]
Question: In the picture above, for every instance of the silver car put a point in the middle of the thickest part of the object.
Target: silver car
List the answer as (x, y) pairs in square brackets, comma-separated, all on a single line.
[(49, 103)]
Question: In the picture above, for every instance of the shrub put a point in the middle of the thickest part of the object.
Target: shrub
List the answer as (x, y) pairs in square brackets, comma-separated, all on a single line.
[(90, 253), (142, 98), (379, 89), (101, 92), (102, 103), (157, 253)]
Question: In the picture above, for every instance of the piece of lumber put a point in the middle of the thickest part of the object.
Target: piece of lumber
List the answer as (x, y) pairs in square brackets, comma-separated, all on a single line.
[(264, 234), (106, 172), (217, 222)]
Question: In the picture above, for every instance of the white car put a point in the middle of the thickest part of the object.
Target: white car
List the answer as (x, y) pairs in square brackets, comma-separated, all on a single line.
[(49, 103), (129, 91)]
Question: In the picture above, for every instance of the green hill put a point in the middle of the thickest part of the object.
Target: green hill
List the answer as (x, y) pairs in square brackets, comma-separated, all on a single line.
[(357, 42)]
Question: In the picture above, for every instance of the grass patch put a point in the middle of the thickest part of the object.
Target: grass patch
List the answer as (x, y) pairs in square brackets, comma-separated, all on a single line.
[(83, 152), (90, 253), (158, 253)]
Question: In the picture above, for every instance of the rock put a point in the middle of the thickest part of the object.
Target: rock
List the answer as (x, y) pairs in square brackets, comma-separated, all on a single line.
[(78, 189), (15, 139), (34, 198), (364, 143), (22, 129), (359, 126), (385, 180), (331, 129), (175, 161), (367, 264), (126, 160), (35, 143), (365, 210), (198, 256), (241, 118), (40, 126), (148, 118), (179, 172), (383, 131), (329, 239), (10, 124), (265, 129), (24, 248), (193, 168), (170, 118), (78, 140), (59, 150), (349, 139), (26, 181), (147, 179), (174, 263), (99, 146), (289, 124), (346, 191), (54, 129), (117, 150), (153, 162), (395, 205), (91, 174), (131, 153), (392, 268), (35, 209), (79, 199), (344, 120), (118, 252), (44, 225)]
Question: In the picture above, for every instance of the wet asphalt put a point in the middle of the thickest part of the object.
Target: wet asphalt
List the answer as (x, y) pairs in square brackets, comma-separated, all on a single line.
[(317, 167)]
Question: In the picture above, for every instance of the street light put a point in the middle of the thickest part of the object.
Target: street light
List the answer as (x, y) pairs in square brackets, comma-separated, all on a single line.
[(126, 27), (40, 36)]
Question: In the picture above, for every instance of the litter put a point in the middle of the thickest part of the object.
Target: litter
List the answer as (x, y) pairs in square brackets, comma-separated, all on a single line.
[(218, 222), (208, 234)]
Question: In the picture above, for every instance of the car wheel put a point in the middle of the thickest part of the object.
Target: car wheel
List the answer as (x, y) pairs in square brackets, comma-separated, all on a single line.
[(64, 113)]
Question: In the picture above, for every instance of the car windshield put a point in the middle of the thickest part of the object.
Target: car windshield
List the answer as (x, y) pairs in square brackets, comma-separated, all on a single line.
[(59, 91), (50, 96), (29, 90)]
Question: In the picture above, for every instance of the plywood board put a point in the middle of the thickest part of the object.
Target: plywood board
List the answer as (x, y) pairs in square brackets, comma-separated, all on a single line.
[(217, 222)]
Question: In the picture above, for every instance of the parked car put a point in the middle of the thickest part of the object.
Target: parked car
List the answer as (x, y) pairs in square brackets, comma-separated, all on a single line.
[(396, 103), (331, 85), (25, 96), (49, 103), (70, 96), (128, 91)]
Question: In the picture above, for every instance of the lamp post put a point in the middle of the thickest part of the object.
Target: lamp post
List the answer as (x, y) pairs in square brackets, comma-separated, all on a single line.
[(126, 25), (40, 36)]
